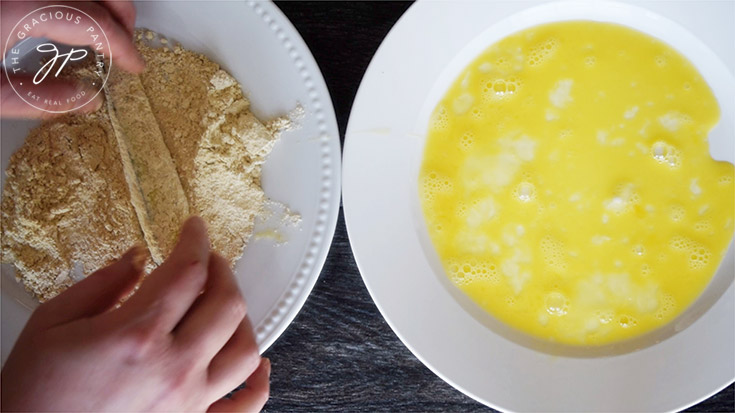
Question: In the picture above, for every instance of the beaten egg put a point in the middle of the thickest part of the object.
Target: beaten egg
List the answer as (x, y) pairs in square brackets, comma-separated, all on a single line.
[(567, 186)]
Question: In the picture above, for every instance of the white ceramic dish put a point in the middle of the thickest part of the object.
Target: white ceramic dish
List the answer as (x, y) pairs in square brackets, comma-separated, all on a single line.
[(669, 369), (257, 44)]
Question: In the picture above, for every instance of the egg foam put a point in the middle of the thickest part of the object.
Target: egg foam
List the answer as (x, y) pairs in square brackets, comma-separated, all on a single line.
[(567, 187)]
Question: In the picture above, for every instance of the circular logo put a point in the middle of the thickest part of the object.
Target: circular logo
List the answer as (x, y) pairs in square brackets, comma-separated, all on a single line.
[(34, 63)]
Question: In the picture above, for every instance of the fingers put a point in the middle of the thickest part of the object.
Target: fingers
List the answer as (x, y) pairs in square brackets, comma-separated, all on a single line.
[(124, 12), (54, 90), (215, 316), (253, 397), (237, 360), (168, 293), (123, 50), (95, 294)]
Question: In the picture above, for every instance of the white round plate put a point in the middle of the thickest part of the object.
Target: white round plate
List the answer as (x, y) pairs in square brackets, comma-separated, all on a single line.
[(257, 44), (669, 369)]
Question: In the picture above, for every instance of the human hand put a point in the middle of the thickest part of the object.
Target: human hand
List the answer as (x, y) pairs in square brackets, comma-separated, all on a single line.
[(115, 17), (180, 343)]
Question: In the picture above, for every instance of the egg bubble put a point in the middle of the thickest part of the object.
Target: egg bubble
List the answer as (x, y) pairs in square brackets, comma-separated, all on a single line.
[(542, 52), (553, 252), (627, 321), (680, 243), (645, 270), (469, 270), (525, 192), (467, 140), (668, 306), (590, 61), (459, 273), (703, 226), (698, 256), (461, 209), (501, 62), (667, 154), (605, 316), (478, 114), (725, 179), (433, 184), (439, 119), (497, 89), (639, 250), (556, 304), (677, 213)]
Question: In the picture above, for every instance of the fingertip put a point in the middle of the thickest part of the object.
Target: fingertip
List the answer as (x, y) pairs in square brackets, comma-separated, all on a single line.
[(193, 242), (267, 366), (260, 376), (132, 63), (136, 256), (194, 225), (138, 64), (195, 218), (132, 262), (94, 105)]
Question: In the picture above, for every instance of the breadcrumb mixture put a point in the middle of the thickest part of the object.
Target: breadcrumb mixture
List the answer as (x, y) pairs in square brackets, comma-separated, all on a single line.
[(66, 203)]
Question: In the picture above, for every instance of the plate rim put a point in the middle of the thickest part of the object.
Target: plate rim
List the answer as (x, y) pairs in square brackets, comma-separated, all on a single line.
[(285, 310)]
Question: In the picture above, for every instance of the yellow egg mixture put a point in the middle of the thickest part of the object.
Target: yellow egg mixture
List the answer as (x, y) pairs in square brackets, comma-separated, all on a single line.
[(567, 184)]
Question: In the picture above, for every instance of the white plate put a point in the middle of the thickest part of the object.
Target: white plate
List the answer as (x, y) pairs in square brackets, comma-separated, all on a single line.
[(257, 44), (672, 368)]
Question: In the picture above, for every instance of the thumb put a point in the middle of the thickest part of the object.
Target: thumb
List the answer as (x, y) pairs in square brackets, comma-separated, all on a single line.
[(53, 94), (95, 294)]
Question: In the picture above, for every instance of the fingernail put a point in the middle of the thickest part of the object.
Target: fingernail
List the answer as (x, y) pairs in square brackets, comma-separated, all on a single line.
[(267, 365), (137, 257)]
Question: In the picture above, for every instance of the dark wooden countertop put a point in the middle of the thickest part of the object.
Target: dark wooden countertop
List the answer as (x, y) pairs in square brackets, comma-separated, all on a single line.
[(339, 354)]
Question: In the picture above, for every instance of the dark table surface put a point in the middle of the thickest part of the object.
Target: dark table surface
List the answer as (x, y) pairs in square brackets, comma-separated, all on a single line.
[(339, 354)]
